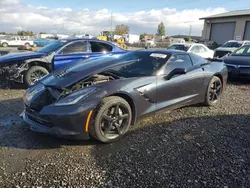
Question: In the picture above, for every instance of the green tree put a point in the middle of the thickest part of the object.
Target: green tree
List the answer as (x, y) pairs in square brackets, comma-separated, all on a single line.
[(25, 33), (142, 36), (121, 29), (161, 29), (187, 38), (42, 32)]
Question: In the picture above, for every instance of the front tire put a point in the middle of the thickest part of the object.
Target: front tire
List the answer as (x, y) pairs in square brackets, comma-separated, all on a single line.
[(34, 74), (112, 119), (214, 91)]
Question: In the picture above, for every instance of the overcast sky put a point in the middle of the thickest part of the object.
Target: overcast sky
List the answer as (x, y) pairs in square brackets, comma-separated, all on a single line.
[(82, 16)]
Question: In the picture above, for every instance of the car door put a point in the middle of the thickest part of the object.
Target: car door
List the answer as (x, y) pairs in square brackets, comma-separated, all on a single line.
[(12, 41), (181, 89), (71, 53)]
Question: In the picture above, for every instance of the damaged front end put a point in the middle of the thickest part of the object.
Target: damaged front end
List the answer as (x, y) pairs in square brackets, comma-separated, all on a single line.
[(12, 71), (40, 96)]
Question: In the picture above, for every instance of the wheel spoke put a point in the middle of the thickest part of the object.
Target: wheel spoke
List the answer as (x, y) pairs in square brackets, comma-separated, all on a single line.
[(212, 96), (218, 87), (123, 116), (106, 117), (215, 96), (117, 109), (106, 131), (117, 126), (215, 84)]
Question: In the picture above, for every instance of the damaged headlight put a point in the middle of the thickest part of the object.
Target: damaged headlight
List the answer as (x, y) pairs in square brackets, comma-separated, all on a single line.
[(75, 97), (33, 91)]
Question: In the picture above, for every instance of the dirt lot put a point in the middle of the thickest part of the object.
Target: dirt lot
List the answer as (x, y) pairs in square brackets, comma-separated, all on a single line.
[(190, 147)]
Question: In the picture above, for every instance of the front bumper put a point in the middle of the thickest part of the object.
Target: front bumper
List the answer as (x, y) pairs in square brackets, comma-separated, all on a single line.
[(59, 121), (238, 71)]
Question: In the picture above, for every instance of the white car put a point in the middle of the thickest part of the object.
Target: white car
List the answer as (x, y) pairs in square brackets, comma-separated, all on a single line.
[(15, 41), (196, 48)]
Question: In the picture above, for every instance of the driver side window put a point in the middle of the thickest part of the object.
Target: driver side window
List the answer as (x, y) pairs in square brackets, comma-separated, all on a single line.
[(178, 61)]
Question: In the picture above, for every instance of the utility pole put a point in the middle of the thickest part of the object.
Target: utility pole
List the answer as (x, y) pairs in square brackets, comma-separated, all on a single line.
[(111, 22), (190, 29)]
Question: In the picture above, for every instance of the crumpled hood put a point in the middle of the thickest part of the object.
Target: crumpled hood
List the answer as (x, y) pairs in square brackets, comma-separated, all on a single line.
[(225, 49), (237, 60), (13, 57), (71, 74)]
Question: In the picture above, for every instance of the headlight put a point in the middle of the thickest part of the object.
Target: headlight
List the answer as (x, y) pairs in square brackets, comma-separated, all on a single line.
[(75, 97), (32, 91)]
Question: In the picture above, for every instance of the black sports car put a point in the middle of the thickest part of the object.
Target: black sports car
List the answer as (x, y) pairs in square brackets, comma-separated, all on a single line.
[(104, 97), (238, 63)]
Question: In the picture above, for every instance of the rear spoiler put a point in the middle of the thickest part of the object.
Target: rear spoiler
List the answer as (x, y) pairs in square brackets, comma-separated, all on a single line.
[(215, 59)]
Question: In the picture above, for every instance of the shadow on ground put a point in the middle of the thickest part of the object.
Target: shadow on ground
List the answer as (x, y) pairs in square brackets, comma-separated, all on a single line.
[(11, 85), (187, 152), (191, 152)]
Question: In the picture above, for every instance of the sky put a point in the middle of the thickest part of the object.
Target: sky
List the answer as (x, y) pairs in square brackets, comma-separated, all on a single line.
[(92, 17)]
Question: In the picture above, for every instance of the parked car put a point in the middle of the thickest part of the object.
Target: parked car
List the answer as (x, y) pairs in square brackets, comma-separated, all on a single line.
[(42, 42), (199, 49), (238, 63), (29, 67), (104, 97), (3, 52), (229, 47), (15, 41)]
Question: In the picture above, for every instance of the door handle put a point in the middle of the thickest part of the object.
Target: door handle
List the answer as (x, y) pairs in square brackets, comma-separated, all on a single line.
[(85, 56)]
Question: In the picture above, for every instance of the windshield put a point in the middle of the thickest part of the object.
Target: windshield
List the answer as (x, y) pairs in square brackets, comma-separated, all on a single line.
[(51, 47), (141, 63), (243, 51), (232, 45), (131, 64), (179, 47)]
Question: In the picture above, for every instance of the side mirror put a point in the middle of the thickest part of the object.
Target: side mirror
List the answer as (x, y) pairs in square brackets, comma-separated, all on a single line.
[(175, 72)]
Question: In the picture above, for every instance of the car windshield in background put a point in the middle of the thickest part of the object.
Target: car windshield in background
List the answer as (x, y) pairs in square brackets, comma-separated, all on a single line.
[(243, 51), (231, 45), (179, 47), (51, 47)]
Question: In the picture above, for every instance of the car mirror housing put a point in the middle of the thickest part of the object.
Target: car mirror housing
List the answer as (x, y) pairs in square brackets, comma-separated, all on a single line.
[(174, 72)]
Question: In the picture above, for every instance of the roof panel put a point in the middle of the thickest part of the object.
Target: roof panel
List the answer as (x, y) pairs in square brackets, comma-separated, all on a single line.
[(229, 14)]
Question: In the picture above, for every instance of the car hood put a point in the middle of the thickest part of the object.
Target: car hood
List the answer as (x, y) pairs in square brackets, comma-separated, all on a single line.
[(237, 60), (13, 57), (69, 75), (225, 49)]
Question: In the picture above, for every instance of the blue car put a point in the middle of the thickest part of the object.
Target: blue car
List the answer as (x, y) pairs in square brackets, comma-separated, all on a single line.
[(30, 67), (42, 42)]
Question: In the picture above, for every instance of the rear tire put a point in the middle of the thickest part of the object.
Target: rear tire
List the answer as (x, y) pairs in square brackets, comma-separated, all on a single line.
[(5, 44), (112, 119), (214, 91), (34, 74)]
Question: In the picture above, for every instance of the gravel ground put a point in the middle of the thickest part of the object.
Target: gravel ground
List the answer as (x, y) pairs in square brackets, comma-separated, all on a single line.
[(190, 147)]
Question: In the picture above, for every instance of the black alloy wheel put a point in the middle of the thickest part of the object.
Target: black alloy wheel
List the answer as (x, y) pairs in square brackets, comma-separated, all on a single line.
[(214, 91), (112, 120)]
